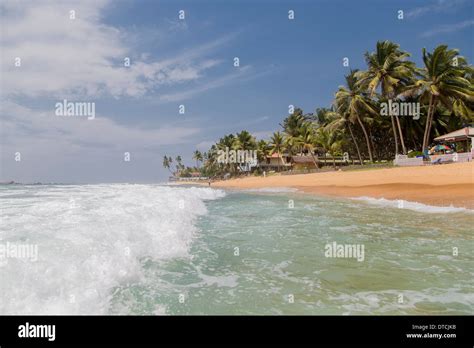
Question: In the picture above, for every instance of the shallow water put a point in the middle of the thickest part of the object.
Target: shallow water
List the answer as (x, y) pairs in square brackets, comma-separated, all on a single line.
[(150, 249)]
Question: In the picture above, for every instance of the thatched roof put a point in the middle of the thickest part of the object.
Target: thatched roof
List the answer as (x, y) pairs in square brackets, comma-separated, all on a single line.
[(302, 159)]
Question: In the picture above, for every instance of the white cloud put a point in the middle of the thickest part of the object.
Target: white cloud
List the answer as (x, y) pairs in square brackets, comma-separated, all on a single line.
[(85, 57), (244, 73), (82, 60), (436, 6), (26, 127), (448, 28), (178, 96)]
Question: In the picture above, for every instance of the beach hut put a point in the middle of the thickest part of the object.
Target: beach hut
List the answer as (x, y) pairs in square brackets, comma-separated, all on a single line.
[(302, 162), (275, 162), (460, 137), (465, 134)]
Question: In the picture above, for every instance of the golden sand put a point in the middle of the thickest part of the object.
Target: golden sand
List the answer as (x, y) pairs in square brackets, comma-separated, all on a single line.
[(442, 185)]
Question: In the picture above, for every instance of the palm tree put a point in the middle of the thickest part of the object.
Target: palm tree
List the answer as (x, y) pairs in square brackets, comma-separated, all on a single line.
[(167, 163), (292, 124), (277, 146), (328, 141), (179, 164), (389, 69), (262, 150), (337, 121), (443, 82), (198, 157), (322, 115), (246, 140), (307, 140), (353, 101), (228, 142)]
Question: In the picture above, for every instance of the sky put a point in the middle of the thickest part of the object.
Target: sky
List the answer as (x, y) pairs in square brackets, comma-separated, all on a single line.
[(183, 62)]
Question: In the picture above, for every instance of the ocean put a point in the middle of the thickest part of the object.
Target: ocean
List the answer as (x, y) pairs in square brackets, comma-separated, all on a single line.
[(174, 250)]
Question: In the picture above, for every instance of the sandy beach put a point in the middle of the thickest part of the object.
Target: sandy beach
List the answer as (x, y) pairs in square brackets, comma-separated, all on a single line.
[(441, 185)]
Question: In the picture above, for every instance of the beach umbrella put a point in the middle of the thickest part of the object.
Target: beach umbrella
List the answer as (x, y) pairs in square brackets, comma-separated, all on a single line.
[(440, 147)]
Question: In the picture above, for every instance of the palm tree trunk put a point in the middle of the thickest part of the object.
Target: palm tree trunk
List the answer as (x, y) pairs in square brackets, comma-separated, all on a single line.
[(394, 134), (433, 110), (427, 125), (314, 160), (355, 143), (401, 135), (366, 138), (372, 144)]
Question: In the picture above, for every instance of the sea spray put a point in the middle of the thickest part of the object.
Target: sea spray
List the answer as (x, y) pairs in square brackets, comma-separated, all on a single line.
[(91, 247)]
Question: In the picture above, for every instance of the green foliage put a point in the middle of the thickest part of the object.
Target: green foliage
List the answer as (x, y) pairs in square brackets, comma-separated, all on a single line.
[(443, 87)]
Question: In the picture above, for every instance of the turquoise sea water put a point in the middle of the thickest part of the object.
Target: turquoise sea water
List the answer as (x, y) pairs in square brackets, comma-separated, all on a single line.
[(151, 249)]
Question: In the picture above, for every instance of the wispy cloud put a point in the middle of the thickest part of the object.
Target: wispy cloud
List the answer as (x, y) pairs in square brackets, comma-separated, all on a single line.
[(435, 7), (23, 125), (243, 74), (215, 83), (448, 28)]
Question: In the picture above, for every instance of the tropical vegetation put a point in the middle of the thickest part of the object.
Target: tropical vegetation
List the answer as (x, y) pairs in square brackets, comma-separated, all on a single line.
[(353, 124)]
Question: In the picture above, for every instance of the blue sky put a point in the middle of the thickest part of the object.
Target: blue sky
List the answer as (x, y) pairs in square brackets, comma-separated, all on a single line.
[(188, 62)]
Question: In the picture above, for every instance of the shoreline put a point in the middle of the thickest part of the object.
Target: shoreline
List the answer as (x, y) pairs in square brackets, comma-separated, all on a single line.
[(438, 185)]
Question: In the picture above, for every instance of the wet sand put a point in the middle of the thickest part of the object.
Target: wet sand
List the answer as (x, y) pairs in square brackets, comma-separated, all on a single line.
[(440, 185)]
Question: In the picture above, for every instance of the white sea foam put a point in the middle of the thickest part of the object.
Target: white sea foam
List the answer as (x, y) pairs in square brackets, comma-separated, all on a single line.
[(90, 240), (415, 206)]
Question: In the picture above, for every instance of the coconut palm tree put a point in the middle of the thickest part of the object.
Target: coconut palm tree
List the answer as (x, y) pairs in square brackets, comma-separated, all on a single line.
[(328, 141), (277, 146), (167, 161), (198, 157), (307, 140), (229, 142), (246, 141), (389, 70), (293, 123), (292, 144), (354, 102), (292, 128), (321, 116), (337, 121), (263, 150), (443, 81), (179, 165)]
